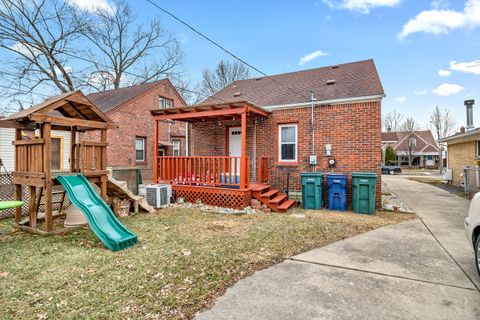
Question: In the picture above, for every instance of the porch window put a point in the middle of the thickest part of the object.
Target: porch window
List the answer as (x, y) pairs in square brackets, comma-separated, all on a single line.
[(176, 148), (164, 103), (140, 149), (287, 143)]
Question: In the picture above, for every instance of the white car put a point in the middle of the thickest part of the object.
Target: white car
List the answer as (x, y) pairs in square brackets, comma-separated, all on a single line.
[(472, 228)]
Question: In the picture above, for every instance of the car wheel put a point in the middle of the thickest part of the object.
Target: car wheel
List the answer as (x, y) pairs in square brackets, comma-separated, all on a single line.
[(477, 254), (391, 172)]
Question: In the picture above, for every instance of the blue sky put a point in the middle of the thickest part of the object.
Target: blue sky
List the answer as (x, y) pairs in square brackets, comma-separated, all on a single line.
[(411, 41), (275, 35)]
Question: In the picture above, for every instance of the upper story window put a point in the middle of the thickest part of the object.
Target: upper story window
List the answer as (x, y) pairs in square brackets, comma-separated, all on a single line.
[(164, 103), (287, 143)]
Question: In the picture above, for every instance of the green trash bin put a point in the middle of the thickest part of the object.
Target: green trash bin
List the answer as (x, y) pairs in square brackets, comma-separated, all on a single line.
[(312, 184), (363, 193)]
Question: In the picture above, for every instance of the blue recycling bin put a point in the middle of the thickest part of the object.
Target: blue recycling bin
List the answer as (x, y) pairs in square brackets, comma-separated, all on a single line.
[(337, 192)]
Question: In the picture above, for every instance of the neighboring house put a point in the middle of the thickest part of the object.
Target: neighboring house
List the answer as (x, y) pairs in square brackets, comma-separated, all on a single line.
[(463, 150), (421, 145), (60, 149), (278, 123), (131, 145)]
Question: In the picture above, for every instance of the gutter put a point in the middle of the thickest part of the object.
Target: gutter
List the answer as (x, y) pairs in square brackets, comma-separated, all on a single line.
[(324, 102)]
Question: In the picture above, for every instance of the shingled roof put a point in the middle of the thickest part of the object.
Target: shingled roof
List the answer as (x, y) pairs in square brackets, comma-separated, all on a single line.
[(425, 142), (110, 99), (349, 80)]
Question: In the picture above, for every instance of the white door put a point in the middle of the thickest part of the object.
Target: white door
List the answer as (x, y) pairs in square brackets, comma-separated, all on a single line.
[(235, 149)]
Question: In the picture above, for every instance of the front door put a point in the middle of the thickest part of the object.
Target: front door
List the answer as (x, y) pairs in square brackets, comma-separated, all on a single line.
[(235, 149)]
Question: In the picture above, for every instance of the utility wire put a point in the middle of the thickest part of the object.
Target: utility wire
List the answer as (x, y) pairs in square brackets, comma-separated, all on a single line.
[(153, 3)]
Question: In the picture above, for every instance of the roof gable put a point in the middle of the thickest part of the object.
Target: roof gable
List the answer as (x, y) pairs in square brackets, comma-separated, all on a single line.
[(424, 141), (110, 100), (351, 80)]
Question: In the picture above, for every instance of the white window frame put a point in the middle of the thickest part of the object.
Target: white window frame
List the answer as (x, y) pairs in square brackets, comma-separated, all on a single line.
[(280, 142), (144, 151), (176, 147), (165, 103)]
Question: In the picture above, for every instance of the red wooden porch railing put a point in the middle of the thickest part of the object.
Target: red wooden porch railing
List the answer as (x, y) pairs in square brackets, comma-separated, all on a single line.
[(202, 171), (262, 170)]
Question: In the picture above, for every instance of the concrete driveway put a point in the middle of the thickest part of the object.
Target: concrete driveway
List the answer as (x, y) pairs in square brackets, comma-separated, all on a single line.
[(420, 269)]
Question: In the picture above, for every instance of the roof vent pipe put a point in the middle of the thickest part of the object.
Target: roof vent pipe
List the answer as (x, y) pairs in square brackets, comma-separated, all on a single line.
[(469, 104)]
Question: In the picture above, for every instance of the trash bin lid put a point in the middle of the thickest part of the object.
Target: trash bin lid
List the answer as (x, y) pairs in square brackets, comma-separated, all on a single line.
[(336, 176), (364, 174), (311, 174)]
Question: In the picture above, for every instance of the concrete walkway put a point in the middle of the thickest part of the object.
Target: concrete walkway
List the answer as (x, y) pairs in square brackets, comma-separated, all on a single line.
[(420, 269)]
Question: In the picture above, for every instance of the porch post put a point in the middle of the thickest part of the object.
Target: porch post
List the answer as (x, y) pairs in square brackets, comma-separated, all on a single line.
[(155, 152), (243, 159)]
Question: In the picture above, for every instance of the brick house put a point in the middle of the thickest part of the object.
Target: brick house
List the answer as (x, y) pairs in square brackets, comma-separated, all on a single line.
[(131, 145), (421, 144), (267, 124), (463, 150)]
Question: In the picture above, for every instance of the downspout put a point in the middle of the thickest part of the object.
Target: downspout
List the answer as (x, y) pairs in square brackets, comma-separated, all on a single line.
[(312, 102)]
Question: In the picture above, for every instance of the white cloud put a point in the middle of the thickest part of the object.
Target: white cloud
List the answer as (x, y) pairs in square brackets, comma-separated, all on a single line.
[(92, 6), (25, 50), (309, 57), (447, 89), (440, 21), (362, 6), (444, 73), (420, 92), (439, 4), (466, 67), (400, 99)]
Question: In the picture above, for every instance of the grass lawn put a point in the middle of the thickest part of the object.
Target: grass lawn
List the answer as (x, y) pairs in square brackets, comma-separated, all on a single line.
[(185, 259)]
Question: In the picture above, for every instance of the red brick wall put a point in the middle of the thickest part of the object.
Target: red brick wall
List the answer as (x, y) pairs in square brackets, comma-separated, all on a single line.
[(134, 119), (353, 130)]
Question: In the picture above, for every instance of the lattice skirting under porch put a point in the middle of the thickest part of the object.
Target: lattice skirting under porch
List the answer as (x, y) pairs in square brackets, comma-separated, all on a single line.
[(220, 197)]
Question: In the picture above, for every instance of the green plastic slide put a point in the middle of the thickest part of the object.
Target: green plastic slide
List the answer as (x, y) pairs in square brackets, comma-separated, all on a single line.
[(114, 235), (10, 204)]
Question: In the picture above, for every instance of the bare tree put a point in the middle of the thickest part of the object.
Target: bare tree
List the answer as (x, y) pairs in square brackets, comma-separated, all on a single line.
[(409, 126), (38, 35), (122, 46), (392, 121), (224, 74), (442, 124)]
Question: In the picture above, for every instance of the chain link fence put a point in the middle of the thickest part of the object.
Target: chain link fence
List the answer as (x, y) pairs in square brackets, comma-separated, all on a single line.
[(471, 180), (7, 192)]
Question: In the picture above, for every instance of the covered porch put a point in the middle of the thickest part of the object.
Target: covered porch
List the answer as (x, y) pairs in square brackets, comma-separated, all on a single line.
[(221, 174)]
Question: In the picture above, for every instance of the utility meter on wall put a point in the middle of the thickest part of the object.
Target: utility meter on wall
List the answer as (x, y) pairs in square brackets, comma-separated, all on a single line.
[(313, 160)]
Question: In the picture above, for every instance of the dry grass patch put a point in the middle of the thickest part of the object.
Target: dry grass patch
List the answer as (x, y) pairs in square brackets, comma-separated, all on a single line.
[(185, 259)]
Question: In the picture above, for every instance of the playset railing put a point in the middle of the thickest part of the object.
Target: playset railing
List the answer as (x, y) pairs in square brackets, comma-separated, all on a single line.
[(90, 157)]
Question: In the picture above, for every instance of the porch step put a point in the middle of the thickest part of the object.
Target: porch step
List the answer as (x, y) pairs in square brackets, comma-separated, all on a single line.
[(278, 198), (286, 205), (270, 193), (261, 188)]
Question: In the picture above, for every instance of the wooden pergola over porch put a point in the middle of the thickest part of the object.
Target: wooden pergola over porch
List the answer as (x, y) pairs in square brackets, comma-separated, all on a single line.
[(217, 167)]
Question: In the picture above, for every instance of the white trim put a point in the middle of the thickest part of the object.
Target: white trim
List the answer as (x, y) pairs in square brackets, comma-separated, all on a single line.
[(176, 142), (144, 140), (323, 102), (285, 125)]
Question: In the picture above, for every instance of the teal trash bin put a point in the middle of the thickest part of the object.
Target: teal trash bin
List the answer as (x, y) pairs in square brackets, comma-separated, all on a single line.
[(363, 192), (312, 184)]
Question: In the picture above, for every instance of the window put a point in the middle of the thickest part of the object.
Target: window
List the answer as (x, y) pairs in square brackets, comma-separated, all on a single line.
[(287, 143), (164, 103), (176, 148), (140, 149), (478, 149)]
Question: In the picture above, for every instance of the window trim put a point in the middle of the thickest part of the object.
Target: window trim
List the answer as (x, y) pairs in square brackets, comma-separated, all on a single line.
[(144, 139), (279, 144), (164, 99), (173, 148), (478, 149)]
